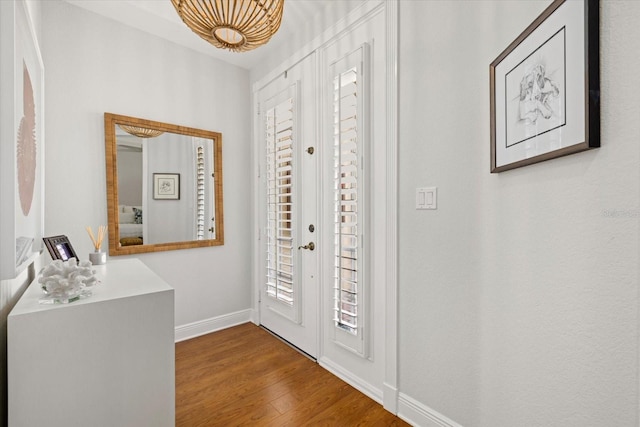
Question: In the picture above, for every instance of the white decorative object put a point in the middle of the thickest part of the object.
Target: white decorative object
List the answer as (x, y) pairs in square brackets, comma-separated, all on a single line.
[(66, 281)]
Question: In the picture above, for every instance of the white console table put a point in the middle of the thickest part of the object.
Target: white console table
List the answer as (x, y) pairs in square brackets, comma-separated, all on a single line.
[(107, 360)]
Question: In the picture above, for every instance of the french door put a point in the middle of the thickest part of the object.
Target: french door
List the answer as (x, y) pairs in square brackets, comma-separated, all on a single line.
[(326, 201), (288, 206)]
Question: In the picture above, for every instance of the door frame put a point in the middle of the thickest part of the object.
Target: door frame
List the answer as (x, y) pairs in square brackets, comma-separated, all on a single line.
[(389, 397)]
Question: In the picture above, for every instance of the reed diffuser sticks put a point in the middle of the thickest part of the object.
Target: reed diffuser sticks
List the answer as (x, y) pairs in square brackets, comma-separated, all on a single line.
[(97, 242)]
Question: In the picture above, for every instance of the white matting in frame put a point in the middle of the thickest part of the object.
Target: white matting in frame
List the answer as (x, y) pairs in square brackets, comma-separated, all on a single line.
[(166, 186)]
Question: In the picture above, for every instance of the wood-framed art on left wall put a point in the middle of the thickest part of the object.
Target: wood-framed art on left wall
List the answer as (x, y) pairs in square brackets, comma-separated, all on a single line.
[(22, 140)]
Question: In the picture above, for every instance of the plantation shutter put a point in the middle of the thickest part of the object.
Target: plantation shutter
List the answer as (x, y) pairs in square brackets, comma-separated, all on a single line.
[(349, 138), (280, 230), (200, 193)]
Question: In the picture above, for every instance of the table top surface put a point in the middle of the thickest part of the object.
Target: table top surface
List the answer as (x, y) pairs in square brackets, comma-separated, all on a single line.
[(120, 278)]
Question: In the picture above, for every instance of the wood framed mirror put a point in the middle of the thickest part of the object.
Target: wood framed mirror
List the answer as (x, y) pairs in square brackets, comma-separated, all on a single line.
[(164, 186)]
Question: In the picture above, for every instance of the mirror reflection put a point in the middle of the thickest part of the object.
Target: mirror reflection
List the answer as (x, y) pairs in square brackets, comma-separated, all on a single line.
[(164, 186)]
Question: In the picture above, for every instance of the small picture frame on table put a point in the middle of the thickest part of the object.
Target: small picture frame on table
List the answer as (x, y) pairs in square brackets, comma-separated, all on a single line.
[(60, 248), (545, 88), (166, 186)]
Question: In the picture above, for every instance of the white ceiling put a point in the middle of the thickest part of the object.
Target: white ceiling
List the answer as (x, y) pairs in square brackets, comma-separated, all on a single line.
[(302, 19)]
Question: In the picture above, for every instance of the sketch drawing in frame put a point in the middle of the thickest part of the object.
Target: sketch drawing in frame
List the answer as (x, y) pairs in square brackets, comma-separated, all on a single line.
[(166, 186), (545, 88)]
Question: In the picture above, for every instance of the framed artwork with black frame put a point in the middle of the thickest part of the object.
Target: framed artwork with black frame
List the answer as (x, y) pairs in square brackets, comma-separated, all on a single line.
[(166, 186), (545, 88), (60, 248)]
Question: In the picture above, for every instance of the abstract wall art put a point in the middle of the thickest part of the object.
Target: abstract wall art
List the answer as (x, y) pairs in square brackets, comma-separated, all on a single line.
[(21, 140)]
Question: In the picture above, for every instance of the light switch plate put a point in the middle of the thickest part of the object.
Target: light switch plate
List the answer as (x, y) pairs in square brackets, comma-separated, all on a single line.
[(427, 198)]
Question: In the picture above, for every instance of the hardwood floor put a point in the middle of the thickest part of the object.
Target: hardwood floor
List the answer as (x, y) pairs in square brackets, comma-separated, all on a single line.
[(245, 376)]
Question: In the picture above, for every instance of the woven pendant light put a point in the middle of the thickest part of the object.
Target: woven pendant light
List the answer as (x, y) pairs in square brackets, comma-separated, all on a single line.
[(236, 25), (140, 131)]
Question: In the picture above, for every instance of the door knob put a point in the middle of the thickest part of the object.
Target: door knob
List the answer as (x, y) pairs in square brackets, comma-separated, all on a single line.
[(311, 246)]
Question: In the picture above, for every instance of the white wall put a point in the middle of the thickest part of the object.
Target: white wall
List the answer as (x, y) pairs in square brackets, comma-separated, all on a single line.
[(129, 177), (519, 294), (94, 65), (315, 24), (170, 220)]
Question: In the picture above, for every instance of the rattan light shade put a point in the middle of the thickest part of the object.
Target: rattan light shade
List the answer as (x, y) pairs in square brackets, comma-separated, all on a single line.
[(236, 25), (140, 131)]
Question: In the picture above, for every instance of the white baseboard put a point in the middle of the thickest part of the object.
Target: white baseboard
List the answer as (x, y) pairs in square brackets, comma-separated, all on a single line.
[(351, 379), (213, 324), (417, 414), (255, 317), (390, 398)]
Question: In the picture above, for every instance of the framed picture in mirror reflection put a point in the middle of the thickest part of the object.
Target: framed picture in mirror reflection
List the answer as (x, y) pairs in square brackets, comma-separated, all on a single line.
[(166, 186)]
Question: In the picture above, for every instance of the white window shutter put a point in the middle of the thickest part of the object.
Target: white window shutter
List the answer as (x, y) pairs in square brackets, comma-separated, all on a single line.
[(348, 101), (200, 193), (279, 178)]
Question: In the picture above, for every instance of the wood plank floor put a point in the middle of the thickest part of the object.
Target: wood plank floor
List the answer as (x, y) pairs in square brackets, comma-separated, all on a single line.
[(245, 376)]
